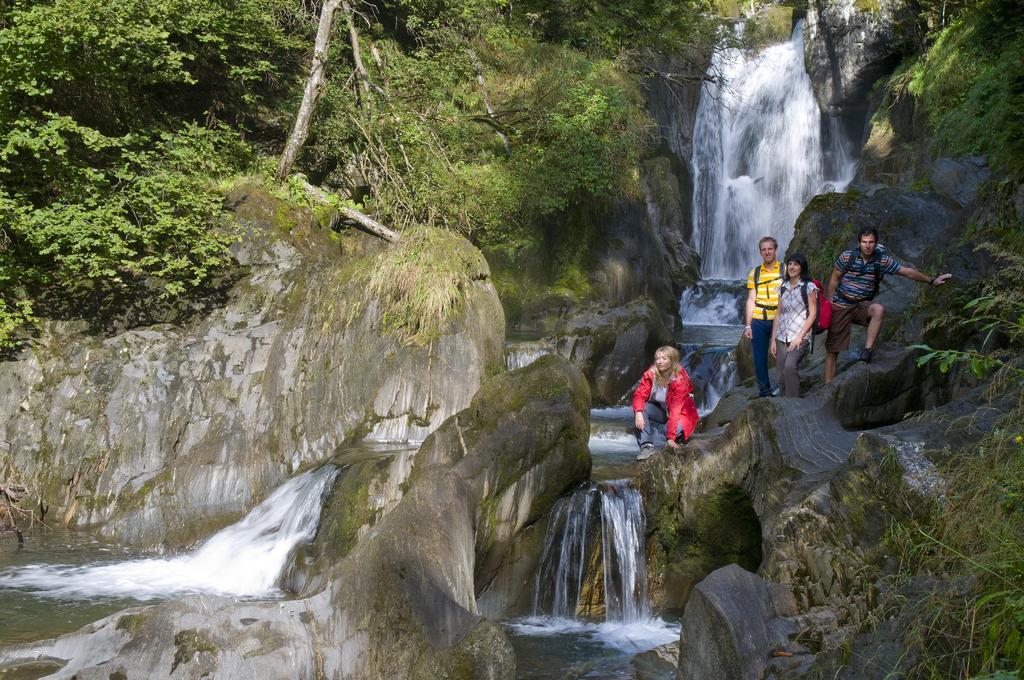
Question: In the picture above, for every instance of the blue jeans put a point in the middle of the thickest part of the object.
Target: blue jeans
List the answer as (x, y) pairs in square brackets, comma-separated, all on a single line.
[(655, 421), (761, 337)]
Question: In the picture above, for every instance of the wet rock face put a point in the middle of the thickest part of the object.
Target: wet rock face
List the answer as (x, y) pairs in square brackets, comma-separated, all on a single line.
[(921, 229), (730, 628), (774, 458), (402, 601), (612, 346), (848, 45), (161, 433)]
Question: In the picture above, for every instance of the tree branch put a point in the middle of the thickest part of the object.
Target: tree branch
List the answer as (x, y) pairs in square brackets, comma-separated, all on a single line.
[(363, 221)]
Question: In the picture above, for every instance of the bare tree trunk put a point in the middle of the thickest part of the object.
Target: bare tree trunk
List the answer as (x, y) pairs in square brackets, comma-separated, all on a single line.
[(364, 221), (314, 86), (357, 57)]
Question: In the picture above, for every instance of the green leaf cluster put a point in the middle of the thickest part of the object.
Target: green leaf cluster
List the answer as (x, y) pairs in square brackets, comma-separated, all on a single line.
[(116, 122)]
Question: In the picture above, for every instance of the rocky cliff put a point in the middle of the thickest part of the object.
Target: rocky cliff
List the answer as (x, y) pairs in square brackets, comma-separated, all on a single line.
[(161, 433)]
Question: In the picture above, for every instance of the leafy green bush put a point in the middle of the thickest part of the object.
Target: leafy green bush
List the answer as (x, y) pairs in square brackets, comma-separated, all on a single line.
[(110, 143)]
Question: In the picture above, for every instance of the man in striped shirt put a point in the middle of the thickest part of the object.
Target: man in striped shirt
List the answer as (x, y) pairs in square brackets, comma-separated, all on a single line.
[(856, 275), (762, 301)]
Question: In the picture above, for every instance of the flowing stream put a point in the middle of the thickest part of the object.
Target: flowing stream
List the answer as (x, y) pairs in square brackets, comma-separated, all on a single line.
[(243, 560), (590, 593)]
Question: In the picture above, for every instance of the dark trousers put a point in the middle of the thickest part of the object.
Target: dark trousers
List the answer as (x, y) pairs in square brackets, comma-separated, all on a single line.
[(761, 337), (655, 421)]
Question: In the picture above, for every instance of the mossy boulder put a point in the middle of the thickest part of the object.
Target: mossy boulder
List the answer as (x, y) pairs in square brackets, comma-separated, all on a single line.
[(161, 433), (923, 229)]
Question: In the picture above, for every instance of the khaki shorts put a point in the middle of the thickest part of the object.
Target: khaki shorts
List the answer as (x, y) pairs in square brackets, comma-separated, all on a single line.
[(843, 318)]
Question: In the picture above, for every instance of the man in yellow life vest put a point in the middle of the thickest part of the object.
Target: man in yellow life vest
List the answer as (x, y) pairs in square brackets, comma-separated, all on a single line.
[(762, 302)]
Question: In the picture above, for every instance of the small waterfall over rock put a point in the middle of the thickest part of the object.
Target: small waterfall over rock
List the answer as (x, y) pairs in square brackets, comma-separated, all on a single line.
[(625, 564), (519, 354), (713, 371), (593, 552), (242, 560), (564, 566), (759, 155)]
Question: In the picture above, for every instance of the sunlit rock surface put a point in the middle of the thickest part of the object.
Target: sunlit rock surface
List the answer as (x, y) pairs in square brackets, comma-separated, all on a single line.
[(825, 476)]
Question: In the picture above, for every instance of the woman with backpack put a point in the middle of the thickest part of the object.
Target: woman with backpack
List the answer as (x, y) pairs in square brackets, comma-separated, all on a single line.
[(793, 327)]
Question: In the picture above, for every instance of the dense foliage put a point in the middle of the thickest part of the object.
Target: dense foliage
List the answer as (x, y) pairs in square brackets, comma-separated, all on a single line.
[(119, 117), (115, 119), (971, 82)]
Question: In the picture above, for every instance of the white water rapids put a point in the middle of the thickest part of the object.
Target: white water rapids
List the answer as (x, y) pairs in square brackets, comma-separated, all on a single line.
[(242, 560), (759, 155)]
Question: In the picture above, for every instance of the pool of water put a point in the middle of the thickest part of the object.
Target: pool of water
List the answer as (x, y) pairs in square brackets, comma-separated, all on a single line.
[(548, 648), (29, 616)]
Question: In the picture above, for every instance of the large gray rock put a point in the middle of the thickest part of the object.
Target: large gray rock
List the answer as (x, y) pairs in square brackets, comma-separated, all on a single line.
[(161, 433), (774, 458), (825, 476), (848, 45), (612, 346), (923, 230), (730, 628), (401, 603)]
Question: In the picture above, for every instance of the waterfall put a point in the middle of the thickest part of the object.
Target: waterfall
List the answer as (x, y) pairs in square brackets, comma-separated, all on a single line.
[(523, 353), (622, 541), (242, 560), (713, 371), (567, 562), (560, 578), (759, 155)]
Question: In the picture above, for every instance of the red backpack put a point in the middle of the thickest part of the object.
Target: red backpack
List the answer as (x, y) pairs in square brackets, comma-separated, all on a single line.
[(824, 319)]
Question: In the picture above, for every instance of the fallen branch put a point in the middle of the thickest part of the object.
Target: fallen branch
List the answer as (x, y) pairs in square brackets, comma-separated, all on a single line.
[(11, 494), (680, 78), (362, 220)]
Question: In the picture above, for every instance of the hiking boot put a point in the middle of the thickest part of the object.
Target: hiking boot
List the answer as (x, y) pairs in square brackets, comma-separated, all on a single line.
[(646, 451), (862, 354)]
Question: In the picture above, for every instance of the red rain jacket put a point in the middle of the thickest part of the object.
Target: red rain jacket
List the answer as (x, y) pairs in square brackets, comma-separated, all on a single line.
[(679, 401)]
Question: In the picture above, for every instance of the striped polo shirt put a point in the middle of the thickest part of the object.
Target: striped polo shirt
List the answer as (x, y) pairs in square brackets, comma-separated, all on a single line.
[(858, 283), (766, 297)]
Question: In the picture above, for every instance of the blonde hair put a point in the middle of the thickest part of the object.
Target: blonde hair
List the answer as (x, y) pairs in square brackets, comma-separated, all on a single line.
[(673, 356)]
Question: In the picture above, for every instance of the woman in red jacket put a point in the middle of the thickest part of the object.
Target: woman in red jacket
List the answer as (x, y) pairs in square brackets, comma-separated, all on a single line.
[(663, 404)]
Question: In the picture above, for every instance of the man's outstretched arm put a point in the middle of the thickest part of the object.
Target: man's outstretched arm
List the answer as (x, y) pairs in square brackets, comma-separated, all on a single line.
[(916, 275)]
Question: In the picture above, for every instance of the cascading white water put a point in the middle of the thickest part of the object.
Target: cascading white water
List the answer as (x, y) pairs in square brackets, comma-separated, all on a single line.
[(713, 371), (522, 354), (242, 560), (758, 155), (712, 303), (561, 575), (625, 565), (567, 554)]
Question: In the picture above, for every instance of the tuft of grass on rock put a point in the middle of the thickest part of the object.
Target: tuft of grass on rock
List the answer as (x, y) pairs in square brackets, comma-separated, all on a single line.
[(422, 282)]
